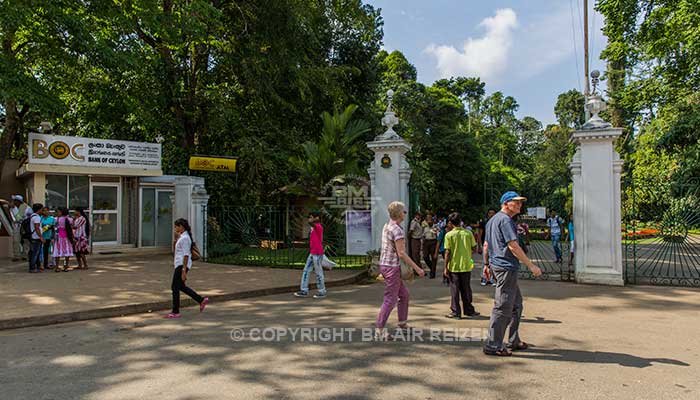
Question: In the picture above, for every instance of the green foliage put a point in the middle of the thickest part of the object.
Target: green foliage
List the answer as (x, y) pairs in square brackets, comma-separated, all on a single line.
[(335, 155), (569, 109)]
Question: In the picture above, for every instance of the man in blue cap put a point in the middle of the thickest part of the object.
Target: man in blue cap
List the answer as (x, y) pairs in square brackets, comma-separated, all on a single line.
[(502, 257)]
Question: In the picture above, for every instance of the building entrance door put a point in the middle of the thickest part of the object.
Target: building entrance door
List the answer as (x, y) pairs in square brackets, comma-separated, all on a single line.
[(156, 217), (105, 212)]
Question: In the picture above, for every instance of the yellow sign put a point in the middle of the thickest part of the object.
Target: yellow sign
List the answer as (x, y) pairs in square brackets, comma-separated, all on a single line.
[(218, 164)]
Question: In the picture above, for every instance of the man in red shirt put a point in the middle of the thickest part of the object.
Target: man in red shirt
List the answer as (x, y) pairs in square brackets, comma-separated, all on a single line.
[(313, 262)]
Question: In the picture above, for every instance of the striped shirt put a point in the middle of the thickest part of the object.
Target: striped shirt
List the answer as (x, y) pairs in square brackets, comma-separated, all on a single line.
[(390, 234)]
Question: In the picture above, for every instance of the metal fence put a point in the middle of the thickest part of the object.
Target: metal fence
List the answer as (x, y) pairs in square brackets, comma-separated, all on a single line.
[(661, 238), (540, 249), (273, 236)]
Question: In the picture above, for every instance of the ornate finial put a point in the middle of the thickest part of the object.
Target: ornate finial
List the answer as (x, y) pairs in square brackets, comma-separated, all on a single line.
[(595, 74), (595, 105), (390, 120)]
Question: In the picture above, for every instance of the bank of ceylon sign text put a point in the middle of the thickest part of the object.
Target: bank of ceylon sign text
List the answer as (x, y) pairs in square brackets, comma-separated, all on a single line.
[(88, 152)]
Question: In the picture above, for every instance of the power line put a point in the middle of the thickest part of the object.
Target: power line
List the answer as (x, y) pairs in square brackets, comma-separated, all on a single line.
[(573, 33)]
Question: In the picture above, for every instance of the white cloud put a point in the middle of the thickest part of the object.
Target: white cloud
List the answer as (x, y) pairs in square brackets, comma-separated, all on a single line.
[(486, 56)]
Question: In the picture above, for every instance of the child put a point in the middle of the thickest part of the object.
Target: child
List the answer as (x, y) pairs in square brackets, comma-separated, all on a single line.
[(314, 259), (47, 230), (183, 263), (63, 246)]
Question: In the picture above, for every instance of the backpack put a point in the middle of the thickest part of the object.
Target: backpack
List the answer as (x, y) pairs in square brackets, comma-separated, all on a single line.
[(25, 228)]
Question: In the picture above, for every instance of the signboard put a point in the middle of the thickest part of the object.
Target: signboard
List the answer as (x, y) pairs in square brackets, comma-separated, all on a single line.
[(358, 232), (218, 164), (89, 152), (537, 212)]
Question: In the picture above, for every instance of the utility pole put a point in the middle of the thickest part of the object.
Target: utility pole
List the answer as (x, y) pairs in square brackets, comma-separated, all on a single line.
[(585, 46)]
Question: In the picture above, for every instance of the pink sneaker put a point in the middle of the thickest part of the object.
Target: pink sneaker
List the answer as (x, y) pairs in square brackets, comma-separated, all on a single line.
[(203, 304), (172, 316)]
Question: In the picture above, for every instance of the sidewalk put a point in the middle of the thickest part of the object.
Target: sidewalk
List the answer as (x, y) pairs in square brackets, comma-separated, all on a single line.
[(128, 284)]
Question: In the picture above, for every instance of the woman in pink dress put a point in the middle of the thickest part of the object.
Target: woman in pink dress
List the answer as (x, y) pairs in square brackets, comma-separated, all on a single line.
[(81, 233), (63, 246)]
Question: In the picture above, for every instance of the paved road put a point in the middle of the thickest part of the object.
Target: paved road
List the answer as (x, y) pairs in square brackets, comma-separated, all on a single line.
[(591, 342)]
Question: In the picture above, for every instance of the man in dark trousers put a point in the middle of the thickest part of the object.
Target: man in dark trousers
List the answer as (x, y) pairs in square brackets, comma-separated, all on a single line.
[(459, 245), (415, 233), (502, 254)]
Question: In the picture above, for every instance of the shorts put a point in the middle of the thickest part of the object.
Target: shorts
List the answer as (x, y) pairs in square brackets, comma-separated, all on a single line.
[(571, 247)]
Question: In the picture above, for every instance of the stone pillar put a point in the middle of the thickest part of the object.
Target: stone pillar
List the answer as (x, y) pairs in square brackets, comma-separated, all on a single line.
[(190, 199), (597, 226), (389, 174)]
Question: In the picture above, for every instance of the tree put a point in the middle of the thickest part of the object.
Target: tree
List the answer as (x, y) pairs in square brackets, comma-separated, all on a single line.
[(499, 110), (336, 155), (570, 110)]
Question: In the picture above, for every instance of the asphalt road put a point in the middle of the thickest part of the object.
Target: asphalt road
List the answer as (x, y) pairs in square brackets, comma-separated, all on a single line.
[(591, 342)]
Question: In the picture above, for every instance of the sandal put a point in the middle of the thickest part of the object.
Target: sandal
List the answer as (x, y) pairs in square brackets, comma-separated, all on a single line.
[(519, 346), (498, 353)]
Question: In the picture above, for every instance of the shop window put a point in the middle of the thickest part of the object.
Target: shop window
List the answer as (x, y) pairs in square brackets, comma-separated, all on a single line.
[(79, 192), (56, 191)]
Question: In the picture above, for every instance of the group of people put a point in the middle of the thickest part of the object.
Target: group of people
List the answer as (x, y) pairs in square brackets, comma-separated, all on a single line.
[(502, 255), (49, 241)]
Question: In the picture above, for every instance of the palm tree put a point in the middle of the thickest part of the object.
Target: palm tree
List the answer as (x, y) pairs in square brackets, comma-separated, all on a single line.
[(334, 157)]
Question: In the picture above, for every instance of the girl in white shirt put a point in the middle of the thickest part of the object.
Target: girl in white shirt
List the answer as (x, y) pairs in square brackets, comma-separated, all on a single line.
[(182, 247)]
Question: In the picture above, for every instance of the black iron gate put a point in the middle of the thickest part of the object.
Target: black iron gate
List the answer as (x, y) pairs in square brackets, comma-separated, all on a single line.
[(541, 250), (273, 236), (661, 233)]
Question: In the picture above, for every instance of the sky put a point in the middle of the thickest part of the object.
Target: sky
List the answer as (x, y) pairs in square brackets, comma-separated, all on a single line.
[(529, 49)]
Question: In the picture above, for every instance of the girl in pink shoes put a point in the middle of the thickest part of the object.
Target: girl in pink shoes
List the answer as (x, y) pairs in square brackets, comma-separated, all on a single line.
[(63, 246), (183, 262)]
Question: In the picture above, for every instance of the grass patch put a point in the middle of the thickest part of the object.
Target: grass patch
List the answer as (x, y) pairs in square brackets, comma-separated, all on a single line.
[(283, 258)]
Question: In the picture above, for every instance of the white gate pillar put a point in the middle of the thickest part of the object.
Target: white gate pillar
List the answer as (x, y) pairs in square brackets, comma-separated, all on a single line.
[(595, 170), (389, 174)]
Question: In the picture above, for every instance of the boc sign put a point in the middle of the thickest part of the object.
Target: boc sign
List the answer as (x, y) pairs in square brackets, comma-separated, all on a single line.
[(217, 164), (88, 152)]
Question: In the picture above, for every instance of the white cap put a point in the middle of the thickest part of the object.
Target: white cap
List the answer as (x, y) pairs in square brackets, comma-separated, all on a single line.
[(17, 197)]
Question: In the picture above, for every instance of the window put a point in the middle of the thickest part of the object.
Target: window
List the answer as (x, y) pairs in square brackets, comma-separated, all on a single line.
[(56, 191), (79, 192), (67, 191)]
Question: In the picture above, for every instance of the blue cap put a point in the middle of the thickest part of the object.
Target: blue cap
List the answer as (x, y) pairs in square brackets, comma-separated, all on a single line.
[(509, 196)]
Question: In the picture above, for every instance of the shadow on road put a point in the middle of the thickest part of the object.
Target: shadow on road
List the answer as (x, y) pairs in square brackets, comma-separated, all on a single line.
[(595, 357)]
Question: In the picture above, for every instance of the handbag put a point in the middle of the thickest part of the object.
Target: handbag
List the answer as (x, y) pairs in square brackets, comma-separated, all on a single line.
[(327, 264), (196, 254), (406, 272)]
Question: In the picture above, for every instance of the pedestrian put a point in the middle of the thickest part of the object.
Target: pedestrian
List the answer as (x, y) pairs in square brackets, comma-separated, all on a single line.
[(182, 247), (415, 233), (523, 234), (314, 260), (459, 245), (554, 224), (502, 257), (36, 240), (17, 214), (48, 223), (570, 228), (440, 248), (485, 280), (81, 233), (430, 231), (393, 252), (63, 245)]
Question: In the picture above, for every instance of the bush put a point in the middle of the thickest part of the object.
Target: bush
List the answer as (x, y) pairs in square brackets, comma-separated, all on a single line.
[(223, 249)]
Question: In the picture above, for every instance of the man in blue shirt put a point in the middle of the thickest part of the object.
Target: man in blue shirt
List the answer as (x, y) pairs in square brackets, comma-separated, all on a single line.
[(554, 232), (502, 257)]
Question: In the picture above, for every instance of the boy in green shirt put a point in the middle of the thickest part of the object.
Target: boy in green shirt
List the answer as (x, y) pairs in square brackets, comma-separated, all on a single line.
[(459, 245)]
